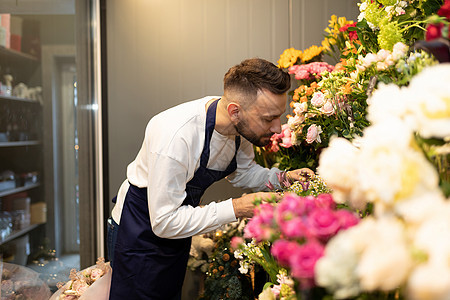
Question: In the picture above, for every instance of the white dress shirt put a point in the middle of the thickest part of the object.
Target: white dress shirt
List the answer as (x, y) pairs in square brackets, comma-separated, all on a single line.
[(168, 159)]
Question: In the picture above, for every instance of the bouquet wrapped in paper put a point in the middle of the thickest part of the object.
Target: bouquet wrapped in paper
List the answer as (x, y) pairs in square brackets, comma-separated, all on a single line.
[(91, 283)]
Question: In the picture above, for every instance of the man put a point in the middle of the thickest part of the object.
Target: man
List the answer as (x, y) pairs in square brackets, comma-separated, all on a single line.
[(185, 150)]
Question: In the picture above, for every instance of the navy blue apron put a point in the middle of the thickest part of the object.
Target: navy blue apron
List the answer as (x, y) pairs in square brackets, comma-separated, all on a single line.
[(145, 265)]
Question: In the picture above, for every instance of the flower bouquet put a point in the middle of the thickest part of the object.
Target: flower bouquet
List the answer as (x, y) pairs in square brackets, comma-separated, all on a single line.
[(287, 239), (91, 283)]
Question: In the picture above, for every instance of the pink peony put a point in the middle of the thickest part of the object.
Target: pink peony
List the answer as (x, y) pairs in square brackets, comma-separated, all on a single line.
[(346, 218), (303, 260), (318, 99), (313, 134), (282, 251), (323, 223)]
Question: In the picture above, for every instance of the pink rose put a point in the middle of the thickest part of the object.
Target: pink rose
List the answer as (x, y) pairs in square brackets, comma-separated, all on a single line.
[(257, 229), (96, 273), (236, 241), (323, 223), (318, 99), (294, 228), (383, 54), (313, 134), (289, 207), (303, 260), (300, 108), (282, 251), (327, 108), (265, 213), (346, 218), (325, 201), (296, 120), (80, 286), (286, 140), (369, 59)]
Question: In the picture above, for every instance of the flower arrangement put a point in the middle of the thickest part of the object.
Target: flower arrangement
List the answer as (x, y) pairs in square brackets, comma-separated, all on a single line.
[(332, 100), (80, 281), (390, 167), (289, 237)]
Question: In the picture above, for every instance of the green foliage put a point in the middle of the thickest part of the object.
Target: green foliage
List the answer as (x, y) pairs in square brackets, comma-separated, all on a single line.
[(223, 279)]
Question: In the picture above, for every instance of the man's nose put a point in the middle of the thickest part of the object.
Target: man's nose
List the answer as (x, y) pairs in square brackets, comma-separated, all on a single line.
[(276, 126)]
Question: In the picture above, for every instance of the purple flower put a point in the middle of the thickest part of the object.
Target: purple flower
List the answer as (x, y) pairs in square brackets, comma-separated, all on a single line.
[(270, 186)]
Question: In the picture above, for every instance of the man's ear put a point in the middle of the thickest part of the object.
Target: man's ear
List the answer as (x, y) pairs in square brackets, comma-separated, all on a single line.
[(234, 110)]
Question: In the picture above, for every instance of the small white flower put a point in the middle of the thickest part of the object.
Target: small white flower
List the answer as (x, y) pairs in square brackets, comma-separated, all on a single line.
[(244, 267)]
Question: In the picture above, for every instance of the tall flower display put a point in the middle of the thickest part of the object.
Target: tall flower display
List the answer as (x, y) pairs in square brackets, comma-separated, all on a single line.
[(331, 100), (389, 170)]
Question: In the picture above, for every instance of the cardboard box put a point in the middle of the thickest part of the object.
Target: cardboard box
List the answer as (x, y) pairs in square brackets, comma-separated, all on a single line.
[(38, 212)]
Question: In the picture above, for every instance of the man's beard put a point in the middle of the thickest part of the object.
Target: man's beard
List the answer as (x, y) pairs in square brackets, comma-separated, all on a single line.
[(243, 129)]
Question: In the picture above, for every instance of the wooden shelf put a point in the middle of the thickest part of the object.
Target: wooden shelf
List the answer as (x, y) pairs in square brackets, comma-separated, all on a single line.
[(19, 189), (19, 143), (15, 234), (17, 54), (4, 97)]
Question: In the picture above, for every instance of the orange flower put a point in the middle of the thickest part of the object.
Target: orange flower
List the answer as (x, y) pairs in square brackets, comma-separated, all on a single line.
[(347, 89), (304, 99)]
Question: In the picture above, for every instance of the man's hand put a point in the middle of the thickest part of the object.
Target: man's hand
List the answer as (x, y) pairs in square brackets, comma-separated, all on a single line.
[(300, 174), (244, 206)]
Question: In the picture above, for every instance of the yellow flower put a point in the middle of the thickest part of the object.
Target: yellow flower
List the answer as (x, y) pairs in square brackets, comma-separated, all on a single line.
[(342, 21), (289, 57), (311, 53)]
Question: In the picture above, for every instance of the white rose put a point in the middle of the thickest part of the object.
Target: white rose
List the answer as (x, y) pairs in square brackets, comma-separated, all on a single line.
[(386, 262), (429, 282), (430, 101), (337, 166)]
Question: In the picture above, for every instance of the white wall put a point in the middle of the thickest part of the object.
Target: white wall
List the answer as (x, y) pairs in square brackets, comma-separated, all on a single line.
[(162, 53)]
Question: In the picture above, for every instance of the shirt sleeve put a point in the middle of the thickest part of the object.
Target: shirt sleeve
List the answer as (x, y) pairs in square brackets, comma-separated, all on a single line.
[(249, 174), (166, 193)]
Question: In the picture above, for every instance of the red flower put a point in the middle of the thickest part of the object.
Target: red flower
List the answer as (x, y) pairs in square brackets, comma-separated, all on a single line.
[(434, 31), (352, 34), (444, 11)]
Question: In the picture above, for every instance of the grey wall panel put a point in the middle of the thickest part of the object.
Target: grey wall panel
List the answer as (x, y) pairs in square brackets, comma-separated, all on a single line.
[(162, 53)]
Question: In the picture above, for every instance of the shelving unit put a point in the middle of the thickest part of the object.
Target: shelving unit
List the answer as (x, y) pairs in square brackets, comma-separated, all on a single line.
[(21, 153)]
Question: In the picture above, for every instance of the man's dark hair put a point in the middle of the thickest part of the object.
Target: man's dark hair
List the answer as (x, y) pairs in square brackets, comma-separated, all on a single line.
[(252, 76)]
